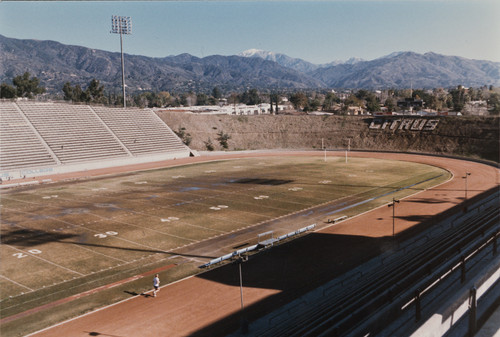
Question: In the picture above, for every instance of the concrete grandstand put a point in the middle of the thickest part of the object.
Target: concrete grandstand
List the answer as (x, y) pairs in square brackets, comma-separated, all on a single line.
[(38, 139)]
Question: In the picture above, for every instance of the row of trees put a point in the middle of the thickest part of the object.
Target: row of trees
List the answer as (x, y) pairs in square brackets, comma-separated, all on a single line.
[(456, 99), (23, 86), (93, 94)]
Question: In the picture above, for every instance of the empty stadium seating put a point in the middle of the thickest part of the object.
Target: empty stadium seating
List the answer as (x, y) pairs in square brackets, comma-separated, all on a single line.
[(73, 132), (141, 131), (35, 135), (20, 145)]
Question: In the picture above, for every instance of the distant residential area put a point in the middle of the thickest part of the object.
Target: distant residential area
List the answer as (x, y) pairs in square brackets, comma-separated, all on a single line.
[(482, 101)]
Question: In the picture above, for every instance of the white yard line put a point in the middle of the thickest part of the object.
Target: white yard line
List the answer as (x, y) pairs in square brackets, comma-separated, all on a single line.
[(47, 261), (93, 251), (19, 284)]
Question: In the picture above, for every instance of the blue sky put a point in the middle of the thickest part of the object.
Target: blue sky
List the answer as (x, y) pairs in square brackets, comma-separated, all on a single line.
[(317, 31)]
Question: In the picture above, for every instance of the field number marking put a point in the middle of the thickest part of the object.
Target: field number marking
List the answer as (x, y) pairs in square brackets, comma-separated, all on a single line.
[(102, 236), (35, 252), (31, 251), (170, 218), (218, 207)]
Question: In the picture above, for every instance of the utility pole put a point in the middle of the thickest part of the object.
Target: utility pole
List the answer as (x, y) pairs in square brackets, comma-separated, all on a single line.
[(121, 25), (393, 205), (465, 177)]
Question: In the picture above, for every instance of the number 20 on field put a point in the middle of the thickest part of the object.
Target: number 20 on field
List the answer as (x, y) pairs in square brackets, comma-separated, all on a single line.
[(31, 251), (37, 251)]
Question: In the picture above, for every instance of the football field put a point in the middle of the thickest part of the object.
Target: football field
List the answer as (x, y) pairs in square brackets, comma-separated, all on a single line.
[(62, 239)]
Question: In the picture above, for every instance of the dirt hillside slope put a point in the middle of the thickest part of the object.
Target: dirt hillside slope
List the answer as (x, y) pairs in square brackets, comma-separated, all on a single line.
[(474, 137)]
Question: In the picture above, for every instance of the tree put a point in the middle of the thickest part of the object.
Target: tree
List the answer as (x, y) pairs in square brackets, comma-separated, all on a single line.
[(390, 104), (372, 104), (353, 100), (216, 93), (254, 97), (494, 103), (250, 97), (74, 94), (183, 100), (458, 98), (95, 92), (330, 101), (312, 104), (209, 145), (26, 86), (363, 94), (222, 138), (7, 91), (164, 98), (233, 99), (184, 136), (201, 99), (298, 100)]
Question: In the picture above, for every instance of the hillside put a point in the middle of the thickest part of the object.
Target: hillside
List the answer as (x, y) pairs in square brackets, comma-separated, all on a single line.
[(474, 137), (55, 63), (407, 69)]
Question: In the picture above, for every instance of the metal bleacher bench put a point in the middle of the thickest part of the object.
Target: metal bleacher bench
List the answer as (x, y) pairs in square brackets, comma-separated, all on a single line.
[(337, 219), (269, 241)]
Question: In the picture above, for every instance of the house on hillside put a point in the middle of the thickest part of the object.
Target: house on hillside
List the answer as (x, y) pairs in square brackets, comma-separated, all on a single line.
[(356, 111), (410, 105), (238, 109), (478, 108)]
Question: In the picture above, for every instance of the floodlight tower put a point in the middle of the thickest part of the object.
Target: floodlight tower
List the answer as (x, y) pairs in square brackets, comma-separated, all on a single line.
[(121, 25)]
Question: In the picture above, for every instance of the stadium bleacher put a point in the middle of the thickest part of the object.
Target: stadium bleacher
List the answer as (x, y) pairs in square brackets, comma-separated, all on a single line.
[(37, 135), (20, 147), (141, 131), (73, 132)]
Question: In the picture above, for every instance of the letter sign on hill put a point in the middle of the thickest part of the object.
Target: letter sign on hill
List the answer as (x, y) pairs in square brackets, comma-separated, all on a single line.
[(405, 124)]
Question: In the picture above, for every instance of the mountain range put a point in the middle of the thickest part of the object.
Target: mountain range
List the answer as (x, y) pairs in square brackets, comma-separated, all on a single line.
[(55, 63), (294, 63)]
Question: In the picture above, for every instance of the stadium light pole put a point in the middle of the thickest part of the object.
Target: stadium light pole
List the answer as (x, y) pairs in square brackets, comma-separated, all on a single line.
[(466, 175), (393, 205), (121, 25)]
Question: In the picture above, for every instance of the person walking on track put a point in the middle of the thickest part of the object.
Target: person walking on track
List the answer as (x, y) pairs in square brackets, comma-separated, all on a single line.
[(156, 285)]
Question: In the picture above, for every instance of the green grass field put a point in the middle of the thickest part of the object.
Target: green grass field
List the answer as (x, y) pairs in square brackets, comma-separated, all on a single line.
[(62, 239)]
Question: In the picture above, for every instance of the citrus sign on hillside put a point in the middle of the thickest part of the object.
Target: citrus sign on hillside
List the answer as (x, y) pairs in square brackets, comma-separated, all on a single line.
[(407, 124)]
